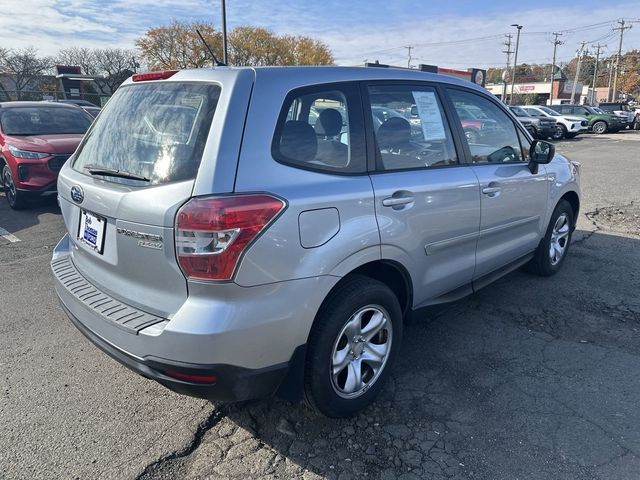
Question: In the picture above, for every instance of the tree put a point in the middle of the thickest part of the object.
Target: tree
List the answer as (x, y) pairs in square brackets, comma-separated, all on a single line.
[(25, 67), (116, 65), (85, 58), (177, 46)]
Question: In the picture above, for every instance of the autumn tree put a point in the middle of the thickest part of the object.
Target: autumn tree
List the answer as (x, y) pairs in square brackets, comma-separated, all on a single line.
[(177, 45), (114, 65), (25, 67)]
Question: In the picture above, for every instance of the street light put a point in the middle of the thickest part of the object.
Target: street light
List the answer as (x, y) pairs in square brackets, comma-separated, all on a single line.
[(515, 61)]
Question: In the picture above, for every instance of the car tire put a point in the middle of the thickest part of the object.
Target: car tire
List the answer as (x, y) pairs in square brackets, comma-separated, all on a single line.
[(552, 250), (560, 132), (600, 127), (15, 197), (472, 135), (344, 341)]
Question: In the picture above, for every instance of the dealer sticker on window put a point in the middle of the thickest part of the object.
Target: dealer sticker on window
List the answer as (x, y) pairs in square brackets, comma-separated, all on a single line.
[(91, 231)]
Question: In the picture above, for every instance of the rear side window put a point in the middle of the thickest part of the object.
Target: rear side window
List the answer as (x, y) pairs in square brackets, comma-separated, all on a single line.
[(320, 128), (156, 130), (410, 128)]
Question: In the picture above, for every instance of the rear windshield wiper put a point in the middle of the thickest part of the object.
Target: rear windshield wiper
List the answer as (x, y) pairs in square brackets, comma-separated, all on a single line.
[(113, 172)]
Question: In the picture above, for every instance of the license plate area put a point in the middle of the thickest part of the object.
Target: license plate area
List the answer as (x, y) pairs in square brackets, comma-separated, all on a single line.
[(91, 230)]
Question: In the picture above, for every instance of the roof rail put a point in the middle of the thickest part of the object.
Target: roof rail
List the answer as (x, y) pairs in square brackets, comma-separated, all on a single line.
[(473, 75)]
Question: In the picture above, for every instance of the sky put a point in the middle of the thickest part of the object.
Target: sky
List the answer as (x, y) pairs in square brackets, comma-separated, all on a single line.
[(457, 33)]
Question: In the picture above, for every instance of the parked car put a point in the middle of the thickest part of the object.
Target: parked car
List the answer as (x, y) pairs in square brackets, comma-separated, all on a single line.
[(568, 126), (538, 127), (237, 251), (599, 121), (622, 110), (79, 103), (36, 139)]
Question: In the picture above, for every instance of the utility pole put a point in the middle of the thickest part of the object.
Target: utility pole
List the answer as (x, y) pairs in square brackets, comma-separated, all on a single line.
[(581, 51), (515, 61), (508, 51), (622, 28), (224, 33), (409, 48), (556, 42), (610, 78), (598, 47)]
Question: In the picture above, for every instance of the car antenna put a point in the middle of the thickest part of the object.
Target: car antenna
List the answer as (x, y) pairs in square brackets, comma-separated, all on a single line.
[(216, 62)]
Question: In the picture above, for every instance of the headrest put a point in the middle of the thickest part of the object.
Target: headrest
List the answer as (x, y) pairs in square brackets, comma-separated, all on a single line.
[(329, 123), (298, 141), (394, 133)]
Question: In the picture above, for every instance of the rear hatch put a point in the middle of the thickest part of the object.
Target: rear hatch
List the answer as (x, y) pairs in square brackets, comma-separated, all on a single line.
[(120, 193)]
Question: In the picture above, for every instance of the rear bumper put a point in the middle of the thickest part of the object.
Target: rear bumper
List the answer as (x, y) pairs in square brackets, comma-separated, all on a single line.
[(247, 337), (233, 384), (547, 131)]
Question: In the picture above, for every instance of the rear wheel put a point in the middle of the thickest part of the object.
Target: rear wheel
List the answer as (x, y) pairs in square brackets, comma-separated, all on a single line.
[(15, 197), (600, 127), (553, 248), (351, 347)]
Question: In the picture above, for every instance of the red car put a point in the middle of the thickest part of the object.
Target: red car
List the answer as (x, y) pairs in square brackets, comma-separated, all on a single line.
[(36, 138)]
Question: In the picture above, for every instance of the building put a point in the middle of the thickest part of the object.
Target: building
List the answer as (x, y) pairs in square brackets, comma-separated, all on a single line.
[(561, 91)]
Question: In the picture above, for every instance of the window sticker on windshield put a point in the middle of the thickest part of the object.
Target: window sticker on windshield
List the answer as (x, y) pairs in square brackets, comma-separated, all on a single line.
[(430, 117)]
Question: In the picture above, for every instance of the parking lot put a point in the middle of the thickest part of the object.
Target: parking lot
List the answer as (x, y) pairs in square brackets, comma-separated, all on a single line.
[(530, 378)]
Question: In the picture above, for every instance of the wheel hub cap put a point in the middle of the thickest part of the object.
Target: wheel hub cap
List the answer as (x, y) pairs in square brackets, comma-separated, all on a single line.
[(559, 239), (360, 351)]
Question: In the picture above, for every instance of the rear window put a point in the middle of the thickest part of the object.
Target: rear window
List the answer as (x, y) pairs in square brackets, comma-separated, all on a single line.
[(26, 121), (157, 131)]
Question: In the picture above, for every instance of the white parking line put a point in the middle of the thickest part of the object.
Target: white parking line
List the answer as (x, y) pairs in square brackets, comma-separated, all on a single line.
[(8, 236)]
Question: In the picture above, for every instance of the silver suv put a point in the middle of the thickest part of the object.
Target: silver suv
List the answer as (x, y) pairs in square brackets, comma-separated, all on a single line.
[(240, 232)]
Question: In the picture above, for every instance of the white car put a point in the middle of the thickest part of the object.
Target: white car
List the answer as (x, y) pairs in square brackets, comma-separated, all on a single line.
[(568, 125)]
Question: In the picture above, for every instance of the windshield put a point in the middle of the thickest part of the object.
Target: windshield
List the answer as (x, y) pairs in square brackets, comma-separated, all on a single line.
[(28, 121), (157, 131), (547, 110), (519, 112)]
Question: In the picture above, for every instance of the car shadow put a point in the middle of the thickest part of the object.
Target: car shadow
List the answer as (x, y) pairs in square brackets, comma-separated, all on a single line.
[(14, 221), (484, 387)]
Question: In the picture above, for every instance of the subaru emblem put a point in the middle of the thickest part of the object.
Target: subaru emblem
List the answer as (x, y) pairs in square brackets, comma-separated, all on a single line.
[(77, 194)]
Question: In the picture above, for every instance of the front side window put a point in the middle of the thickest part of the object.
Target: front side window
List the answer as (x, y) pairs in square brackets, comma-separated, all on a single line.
[(33, 121), (320, 129), (492, 138), (410, 128), (156, 131)]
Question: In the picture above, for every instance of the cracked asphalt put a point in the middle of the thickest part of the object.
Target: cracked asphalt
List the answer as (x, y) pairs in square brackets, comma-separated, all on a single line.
[(531, 378)]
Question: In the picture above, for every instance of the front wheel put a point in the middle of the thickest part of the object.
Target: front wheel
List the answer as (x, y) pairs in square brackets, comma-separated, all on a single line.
[(15, 197), (560, 132), (351, 347), (600, 127), (553, 248)]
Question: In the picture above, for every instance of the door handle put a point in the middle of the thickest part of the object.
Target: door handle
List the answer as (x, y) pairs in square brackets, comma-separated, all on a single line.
[(396, 201), (491, 190)]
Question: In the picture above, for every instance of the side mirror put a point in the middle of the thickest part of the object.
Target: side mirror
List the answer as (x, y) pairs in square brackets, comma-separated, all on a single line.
[(541, 152)]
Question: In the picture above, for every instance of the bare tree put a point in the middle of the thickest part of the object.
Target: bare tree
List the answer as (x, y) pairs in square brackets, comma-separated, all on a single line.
[(116, 64), (85, 58), (25, 67)]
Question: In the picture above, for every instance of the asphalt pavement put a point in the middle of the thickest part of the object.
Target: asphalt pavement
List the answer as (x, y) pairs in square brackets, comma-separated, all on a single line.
[(531, 378)]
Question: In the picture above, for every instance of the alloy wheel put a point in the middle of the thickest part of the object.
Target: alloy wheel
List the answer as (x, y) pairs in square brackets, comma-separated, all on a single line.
[(559, 239), (9, 186), (360, 351)]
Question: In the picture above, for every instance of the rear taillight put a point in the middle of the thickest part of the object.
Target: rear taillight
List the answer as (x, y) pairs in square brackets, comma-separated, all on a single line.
[(192, 377), (145, 77), (212, 233)]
